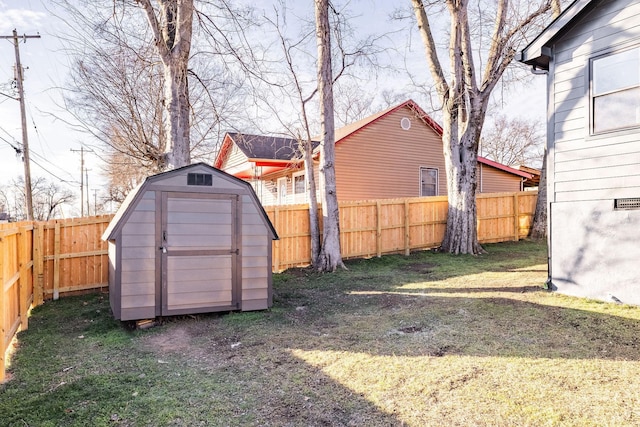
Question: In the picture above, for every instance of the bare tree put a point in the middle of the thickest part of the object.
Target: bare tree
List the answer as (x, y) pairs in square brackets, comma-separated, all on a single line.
[(539, 223), (352, 103), (330, 255), (116, 88), (123, 174), (297, 88), (464, 95), (513, 141), (48, 199), (302, 133), (171, 23)]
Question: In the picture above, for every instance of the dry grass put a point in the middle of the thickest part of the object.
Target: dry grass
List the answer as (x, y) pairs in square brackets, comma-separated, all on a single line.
[(423, 340)]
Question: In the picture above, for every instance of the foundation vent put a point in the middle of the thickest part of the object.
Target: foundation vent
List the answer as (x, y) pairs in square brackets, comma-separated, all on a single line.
[(630, 203)]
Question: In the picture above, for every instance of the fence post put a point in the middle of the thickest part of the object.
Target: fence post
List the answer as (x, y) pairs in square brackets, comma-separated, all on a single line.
[(56, 261), (378, 228), (407, 243), (516, 216), (38, 264), (276, 243), (3, 337), (23, 286)]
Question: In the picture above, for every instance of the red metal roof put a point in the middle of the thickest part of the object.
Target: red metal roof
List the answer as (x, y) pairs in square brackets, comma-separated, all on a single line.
[(504, 167)]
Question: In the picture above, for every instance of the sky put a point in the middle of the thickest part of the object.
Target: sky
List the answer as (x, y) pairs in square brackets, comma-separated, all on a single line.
[(45, 68), (51, 140)]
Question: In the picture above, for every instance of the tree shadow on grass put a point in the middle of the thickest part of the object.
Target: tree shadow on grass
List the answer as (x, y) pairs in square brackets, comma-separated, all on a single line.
[(418, 323), (213, 370)]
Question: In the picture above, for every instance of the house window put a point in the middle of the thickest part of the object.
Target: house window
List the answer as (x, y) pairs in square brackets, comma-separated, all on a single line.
[(428, 182), (615, 91), (298, 183)]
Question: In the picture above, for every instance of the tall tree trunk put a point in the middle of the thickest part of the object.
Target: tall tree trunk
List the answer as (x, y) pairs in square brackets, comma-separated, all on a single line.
[(464, 100), (461, 161), (310, 181), (539, 227), (330, 255), (172, 31), (178, 150)]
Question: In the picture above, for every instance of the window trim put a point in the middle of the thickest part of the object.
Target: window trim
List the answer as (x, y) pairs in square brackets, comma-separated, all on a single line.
[(437, 185), (592, 97), (293, 179)]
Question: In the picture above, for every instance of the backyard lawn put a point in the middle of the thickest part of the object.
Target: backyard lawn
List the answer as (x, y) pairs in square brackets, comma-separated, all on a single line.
[(425, 340)]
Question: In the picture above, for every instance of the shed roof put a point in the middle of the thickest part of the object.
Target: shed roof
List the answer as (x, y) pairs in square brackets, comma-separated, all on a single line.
[(538, 52), (130, 202)]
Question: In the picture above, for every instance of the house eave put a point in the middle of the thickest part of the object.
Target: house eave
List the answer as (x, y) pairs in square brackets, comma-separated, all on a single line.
[(538, 53)]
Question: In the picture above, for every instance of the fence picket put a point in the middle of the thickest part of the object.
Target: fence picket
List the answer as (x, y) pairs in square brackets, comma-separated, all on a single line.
[(3, 327)]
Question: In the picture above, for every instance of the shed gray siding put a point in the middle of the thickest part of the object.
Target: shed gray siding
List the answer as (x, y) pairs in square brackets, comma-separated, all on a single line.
[(593, 247), (256, 258), (138, 260)]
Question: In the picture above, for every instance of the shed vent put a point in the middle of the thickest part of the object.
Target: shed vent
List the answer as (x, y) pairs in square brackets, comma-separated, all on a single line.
[(630, 203), (200, 179)]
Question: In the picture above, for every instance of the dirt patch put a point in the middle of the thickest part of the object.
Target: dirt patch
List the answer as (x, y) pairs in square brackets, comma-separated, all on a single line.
[(410, 329), (422, 267), (171, 340)]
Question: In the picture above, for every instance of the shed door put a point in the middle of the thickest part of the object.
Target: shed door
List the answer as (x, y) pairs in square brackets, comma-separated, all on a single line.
[(199, 252)]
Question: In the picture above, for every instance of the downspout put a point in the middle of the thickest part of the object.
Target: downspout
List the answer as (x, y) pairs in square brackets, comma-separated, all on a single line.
[(537, 72), (548, 284)]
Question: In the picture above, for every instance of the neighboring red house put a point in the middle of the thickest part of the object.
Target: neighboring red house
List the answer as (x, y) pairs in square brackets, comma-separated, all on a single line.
[(533, 182), (394, 153)]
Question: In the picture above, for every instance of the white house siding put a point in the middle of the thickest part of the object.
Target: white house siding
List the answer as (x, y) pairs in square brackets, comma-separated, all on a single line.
[(267, 188), (138, 261), (593, 247)]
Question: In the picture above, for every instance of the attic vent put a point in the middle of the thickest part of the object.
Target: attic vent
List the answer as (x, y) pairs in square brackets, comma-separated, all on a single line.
[(405, 123), (631, 203), (200, 179)]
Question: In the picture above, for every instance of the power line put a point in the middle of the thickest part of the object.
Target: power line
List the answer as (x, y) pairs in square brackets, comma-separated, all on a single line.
[(18, 150), (9, 135), (25, 140), (52, 174), (42, 158)]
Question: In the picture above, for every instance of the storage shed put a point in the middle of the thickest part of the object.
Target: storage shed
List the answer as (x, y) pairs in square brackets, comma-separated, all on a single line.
[(190, 240)]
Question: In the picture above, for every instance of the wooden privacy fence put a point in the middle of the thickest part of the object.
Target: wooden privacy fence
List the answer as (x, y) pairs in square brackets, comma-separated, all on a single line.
[(43, 260), (16, 282), (46, 260), (377, 227)]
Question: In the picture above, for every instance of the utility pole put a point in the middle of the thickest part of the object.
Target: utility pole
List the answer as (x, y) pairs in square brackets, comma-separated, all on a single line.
[(82, 182), (25, 139), (86, 176), (95, 201)]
